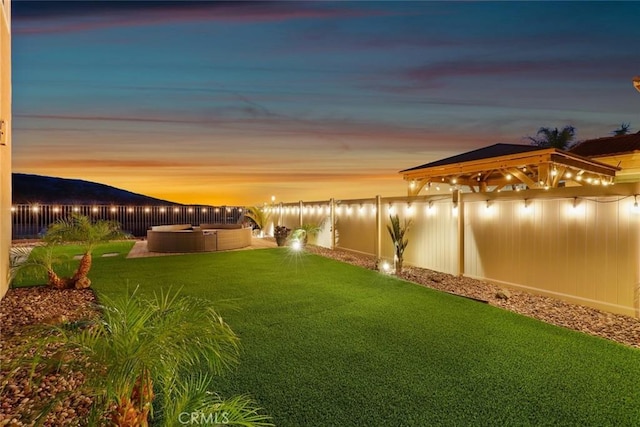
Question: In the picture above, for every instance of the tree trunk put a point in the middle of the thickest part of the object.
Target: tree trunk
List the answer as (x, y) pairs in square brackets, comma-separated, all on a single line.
[(398, 265), (80, 279), (83, 267), (56, 281), (133, 411)]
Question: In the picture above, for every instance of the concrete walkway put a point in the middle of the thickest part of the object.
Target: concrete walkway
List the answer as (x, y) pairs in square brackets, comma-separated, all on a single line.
[(139, 249)]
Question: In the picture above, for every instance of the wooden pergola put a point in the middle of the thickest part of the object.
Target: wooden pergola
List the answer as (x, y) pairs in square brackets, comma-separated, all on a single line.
[(510, 167)]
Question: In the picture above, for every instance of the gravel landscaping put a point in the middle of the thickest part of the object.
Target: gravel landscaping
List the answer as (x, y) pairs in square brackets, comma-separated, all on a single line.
[(22, 308)]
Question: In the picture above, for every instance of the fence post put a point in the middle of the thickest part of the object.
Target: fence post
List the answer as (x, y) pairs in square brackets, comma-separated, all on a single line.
[(457, 200), (332, 218), (378, 228), (300, 204)]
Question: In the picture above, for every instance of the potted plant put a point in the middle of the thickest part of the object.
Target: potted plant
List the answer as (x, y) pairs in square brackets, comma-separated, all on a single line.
[(302, 233), (280, 232)]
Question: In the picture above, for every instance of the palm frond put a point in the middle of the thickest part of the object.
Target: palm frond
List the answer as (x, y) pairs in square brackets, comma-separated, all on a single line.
[(258, 215)]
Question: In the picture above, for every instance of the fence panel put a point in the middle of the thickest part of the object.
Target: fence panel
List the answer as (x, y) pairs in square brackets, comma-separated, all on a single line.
[(31, 221)]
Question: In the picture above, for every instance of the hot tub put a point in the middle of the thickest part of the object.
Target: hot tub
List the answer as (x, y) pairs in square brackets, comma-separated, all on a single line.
[(183, 238)]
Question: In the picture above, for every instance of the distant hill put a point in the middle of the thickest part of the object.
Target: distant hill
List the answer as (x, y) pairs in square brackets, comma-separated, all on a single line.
[(45, 189)]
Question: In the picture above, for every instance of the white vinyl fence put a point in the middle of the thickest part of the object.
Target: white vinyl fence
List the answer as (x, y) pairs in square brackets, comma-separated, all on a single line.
[(579, 244)]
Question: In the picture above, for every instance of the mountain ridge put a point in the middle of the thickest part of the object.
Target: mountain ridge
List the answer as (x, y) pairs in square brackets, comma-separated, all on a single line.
[(29, 189)]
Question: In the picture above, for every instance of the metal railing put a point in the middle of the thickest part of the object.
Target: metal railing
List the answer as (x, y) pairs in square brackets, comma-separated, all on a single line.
[(31, 221)]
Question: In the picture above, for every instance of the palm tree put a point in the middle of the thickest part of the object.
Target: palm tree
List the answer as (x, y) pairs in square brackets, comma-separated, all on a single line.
[(35, 262), (259, 216), (81, 230), (622, 130), (554, 138), (397, 233), (154, 360)]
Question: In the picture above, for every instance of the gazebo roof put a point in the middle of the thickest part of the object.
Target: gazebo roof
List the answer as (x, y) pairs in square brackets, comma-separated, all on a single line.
[(501, 166), (608, 146)]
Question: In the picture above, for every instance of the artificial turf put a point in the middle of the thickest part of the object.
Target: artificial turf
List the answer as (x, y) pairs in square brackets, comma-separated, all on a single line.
[(330, 344)]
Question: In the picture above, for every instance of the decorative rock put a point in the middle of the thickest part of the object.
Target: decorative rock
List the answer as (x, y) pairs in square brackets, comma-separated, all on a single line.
[(503, 294)]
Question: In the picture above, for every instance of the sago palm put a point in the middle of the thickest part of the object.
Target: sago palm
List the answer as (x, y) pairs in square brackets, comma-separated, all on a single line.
[(37, 262), (154, 360), (397, 232), (80, 229)]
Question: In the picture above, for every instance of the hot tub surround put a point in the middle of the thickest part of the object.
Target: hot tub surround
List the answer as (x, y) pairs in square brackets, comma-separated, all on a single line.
[(202, 238)]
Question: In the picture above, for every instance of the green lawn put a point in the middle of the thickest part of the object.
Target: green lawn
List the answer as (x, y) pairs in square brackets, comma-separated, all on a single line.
[(330, 344)]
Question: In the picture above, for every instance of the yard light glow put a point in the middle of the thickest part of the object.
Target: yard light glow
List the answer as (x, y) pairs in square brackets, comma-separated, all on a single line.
[(176, 210), (431, 210), (162, 210), (296, 245), (76, 209), (576, 208), (409, 209), (147, 210), (35, 209), (525, 208), (204, 210), (386, 267), (130, 210), (94, 209), (56, 209), (112, 210), (13, 208), (190, 210)]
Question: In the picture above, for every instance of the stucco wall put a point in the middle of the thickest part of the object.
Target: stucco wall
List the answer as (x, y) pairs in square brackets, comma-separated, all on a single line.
[(5, 143)]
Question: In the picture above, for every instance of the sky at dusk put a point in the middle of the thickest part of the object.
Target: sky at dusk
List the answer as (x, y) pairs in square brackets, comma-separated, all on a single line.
[(230, 103)]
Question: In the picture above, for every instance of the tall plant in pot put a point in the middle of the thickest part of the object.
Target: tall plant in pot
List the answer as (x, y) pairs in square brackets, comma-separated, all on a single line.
[(398, 232)]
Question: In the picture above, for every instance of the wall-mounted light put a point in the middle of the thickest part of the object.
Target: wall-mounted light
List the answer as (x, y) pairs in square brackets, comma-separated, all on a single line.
[(635, 208)]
